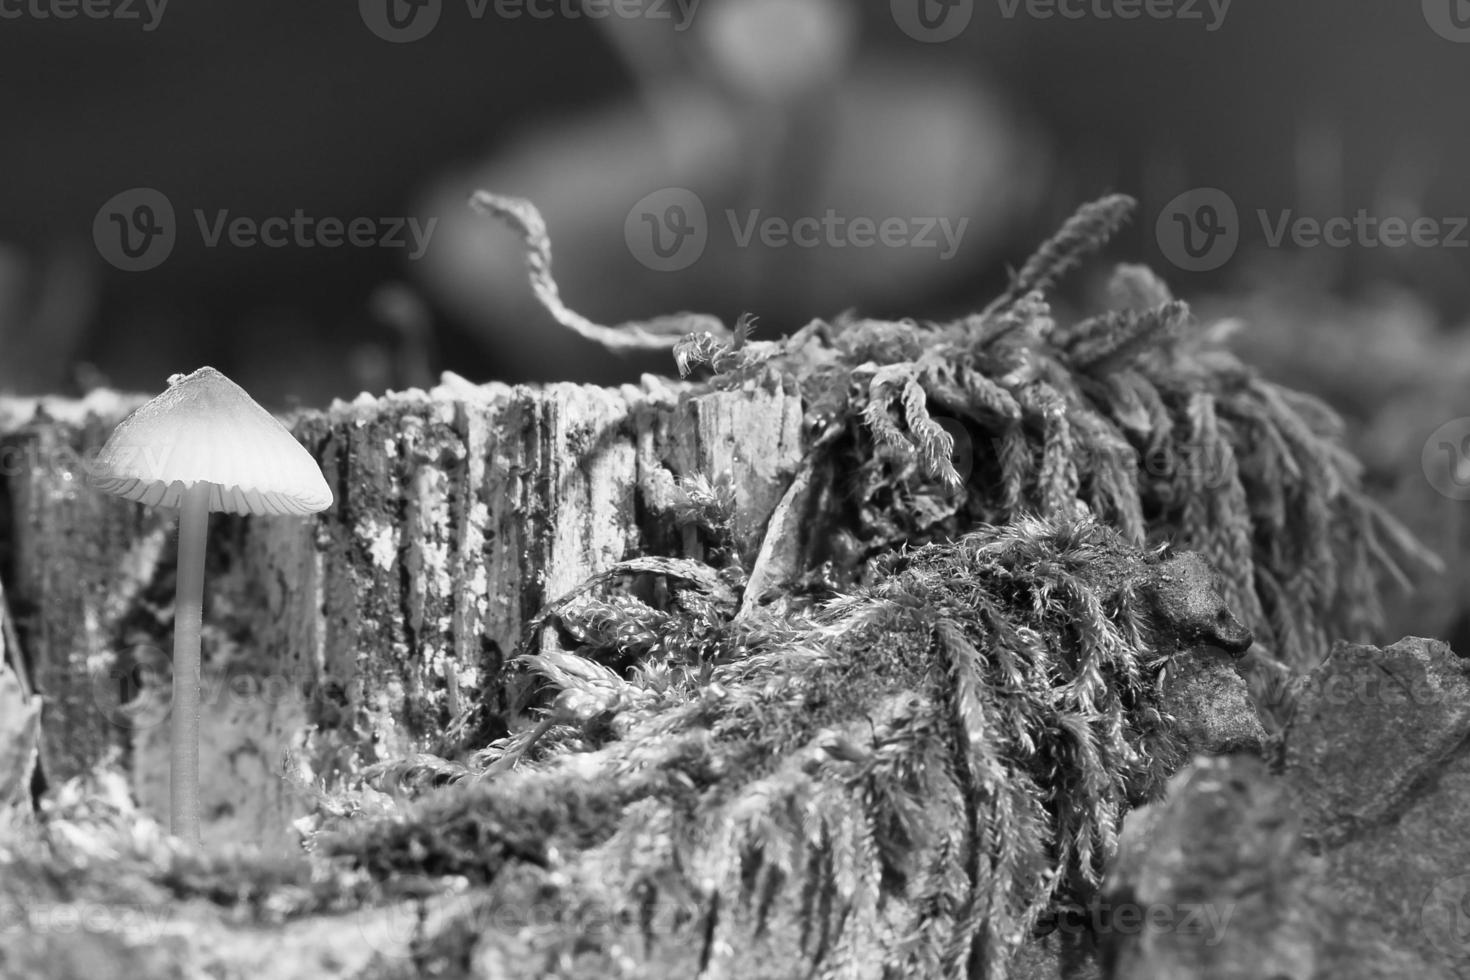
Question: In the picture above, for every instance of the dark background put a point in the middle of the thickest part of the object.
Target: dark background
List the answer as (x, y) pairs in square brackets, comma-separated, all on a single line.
[(266, 107)]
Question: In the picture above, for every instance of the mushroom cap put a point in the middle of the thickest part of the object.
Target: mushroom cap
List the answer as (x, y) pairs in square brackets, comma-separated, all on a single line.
[(205, 429)]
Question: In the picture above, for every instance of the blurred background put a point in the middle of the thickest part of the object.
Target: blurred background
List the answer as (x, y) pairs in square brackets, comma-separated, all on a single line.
[(998, 115), (279, 189)]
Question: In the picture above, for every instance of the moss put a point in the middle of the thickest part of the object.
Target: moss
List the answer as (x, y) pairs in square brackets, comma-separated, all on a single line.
[(476, 831), (931, 736), (962, 727), (1138, 416), (962, 736)]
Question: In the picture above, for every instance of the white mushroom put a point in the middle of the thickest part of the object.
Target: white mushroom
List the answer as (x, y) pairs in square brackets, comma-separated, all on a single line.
[(204, 445)]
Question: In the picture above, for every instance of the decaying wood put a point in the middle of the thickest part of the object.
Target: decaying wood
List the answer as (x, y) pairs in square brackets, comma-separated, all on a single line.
[(363, 633), (20, 713)]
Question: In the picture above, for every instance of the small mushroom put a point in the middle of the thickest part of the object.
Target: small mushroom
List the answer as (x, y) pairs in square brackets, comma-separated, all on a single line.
[(203, 445)]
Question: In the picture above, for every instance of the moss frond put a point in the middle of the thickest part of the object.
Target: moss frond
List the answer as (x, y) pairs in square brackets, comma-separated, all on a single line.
[(1137, 416), (962, 737)]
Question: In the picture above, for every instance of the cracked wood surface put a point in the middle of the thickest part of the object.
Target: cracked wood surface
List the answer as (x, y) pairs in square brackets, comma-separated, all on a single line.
[(359, 634)]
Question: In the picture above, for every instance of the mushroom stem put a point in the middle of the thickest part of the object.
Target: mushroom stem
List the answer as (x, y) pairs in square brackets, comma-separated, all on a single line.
[(188, 613)]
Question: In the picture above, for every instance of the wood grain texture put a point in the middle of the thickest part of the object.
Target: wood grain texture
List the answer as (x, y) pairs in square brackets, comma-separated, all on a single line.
[(358, 634)]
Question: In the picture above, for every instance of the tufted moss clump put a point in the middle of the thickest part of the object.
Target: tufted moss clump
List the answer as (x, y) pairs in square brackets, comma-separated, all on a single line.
[(911, 773), (1138, 416)]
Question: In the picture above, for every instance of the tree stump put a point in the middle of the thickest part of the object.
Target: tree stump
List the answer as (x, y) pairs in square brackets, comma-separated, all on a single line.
[(361, 634)]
